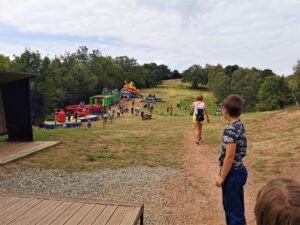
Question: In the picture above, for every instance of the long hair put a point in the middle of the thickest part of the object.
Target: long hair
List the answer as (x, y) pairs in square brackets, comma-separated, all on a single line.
[(278, 203)]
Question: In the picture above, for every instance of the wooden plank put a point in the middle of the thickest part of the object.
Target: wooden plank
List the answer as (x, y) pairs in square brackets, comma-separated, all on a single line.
[(92, 215), (12, 216), (32, 213), (14, 207), (7, 148), (22, 149), (67, 214), (64, 210), (132, 217), (6, 202), (55, 213), (43, 212), (118, 215), (80, 214), (70, 199), (105, 215)]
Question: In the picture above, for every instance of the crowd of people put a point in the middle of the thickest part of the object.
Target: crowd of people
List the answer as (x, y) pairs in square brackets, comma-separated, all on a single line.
[(135, 109)]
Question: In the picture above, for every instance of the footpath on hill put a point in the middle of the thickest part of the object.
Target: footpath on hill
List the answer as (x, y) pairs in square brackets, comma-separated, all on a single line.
[(201, 168)]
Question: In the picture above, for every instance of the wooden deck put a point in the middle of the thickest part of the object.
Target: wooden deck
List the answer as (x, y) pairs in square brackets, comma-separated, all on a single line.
[(22, 209), (13, 150)]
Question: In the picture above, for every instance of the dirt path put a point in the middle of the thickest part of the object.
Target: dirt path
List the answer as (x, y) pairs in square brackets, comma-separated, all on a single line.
[(201, 168)]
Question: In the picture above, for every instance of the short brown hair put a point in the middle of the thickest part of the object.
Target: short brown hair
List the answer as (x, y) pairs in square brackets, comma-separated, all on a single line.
[(199, 98), (278, 203), (233, 104)]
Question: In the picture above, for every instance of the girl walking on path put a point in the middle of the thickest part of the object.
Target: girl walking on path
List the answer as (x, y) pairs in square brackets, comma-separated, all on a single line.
[(198, 109)]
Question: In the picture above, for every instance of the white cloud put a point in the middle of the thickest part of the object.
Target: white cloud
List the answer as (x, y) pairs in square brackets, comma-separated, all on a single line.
[(259, 33)]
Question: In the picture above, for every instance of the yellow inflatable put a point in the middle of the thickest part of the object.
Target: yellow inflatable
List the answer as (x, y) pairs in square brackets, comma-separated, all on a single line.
[(131, 87)]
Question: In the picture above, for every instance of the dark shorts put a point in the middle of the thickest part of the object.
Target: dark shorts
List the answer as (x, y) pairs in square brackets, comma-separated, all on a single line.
[(233, 196)]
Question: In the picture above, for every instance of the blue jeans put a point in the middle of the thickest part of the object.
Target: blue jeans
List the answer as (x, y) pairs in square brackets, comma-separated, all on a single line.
[(233, 196)]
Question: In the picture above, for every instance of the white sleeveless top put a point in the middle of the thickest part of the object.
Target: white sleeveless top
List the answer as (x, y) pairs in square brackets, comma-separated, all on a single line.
[(199, 105)]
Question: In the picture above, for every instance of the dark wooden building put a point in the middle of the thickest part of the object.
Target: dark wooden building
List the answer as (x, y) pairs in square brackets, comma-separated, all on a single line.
[(15, 106)]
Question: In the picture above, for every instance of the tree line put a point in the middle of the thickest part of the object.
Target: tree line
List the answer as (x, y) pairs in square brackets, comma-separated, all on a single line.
[(261, 89), (73, 77)]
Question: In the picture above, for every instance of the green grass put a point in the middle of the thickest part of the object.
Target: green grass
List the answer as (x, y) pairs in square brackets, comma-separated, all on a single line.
[(273, 137), (128, 141)]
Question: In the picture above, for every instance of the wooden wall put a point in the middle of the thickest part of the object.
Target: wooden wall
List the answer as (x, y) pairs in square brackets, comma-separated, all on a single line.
[(2, 116)]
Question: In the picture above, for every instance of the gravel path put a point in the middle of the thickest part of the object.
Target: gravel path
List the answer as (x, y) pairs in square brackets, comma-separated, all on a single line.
[(139, 184)]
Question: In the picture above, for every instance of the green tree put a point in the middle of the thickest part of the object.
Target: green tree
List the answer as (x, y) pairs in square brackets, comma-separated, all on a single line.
[(294, 83), (267, 73), (175, 74), (219, 83), (196, 75), (29, 61), (294, 89), (246, 82), (5, 63), (229, 70), (273, 94)]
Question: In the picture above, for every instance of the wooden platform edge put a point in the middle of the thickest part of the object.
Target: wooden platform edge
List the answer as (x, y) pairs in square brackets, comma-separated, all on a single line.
[(29, 154), (140, 216), (71, 199)]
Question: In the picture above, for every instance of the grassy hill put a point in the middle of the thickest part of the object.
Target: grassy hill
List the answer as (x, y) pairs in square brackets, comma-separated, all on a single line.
[(273, 137)]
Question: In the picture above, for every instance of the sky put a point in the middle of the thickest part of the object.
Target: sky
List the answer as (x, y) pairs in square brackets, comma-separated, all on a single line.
[(178, 33)]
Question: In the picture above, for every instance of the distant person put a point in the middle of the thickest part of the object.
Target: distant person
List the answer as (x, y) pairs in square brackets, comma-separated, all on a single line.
[(198, 111), (89, 124), (137, 110), (132, 110), (69, 116), (55, 117), (171, 109), (118, 112), (233, 174), (168, 108), (105, 116), (76, 116), (278, 203), (111, 114), (151, 108)]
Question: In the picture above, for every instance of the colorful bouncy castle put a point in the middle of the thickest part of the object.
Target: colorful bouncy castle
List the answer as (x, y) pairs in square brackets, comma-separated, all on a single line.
[(107, 98), (129, 91)]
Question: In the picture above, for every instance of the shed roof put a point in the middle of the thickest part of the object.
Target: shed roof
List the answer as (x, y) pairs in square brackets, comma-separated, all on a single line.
[(7, 77)]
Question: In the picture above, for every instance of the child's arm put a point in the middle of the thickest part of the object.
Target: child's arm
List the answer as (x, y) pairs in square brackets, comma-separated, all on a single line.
[(228, 160), (192, 108), (205, 110)]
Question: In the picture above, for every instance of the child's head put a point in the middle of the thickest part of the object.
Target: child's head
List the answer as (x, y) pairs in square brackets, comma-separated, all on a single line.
[(199, 98), (232, 106), (278, 203)]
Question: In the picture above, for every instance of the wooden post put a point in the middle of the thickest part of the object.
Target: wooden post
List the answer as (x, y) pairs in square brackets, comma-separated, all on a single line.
[(142, 219)]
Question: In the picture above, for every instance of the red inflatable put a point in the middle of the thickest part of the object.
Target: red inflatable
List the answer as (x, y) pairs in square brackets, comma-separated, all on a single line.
[(95, 108), (79, 108), (73, 108), (61, 116)]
